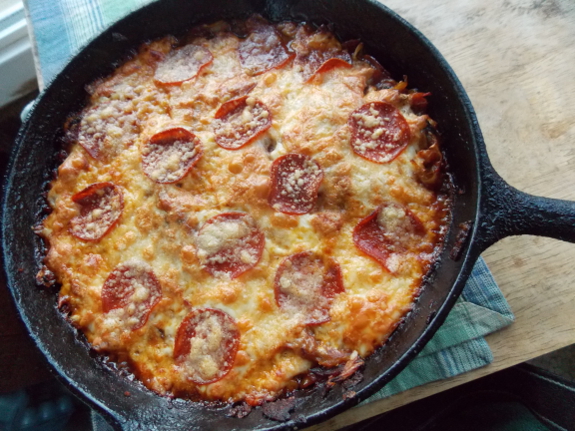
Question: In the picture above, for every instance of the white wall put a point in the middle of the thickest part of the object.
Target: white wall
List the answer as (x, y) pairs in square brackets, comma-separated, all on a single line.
[(17, 72)]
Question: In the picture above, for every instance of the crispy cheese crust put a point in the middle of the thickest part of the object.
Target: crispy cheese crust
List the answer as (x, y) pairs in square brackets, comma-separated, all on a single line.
[(169, 228)]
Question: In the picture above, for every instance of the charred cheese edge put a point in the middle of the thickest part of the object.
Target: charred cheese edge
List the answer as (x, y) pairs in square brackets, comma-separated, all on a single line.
[(160, 223)]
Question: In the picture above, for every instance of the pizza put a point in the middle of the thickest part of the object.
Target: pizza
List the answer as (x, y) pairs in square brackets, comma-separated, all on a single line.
[(243, 207)]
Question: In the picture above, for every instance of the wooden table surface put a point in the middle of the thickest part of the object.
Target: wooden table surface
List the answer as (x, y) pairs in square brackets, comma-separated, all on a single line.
[(516, 59)]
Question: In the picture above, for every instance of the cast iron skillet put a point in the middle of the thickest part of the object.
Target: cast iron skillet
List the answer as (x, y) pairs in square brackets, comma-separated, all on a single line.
[(485, 204)]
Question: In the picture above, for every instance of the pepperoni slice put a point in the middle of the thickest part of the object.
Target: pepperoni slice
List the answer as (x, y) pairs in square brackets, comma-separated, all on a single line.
[(379, 132), (239, 121), (182, 65), (306, 284), (130, 293), (206, 345), (232, 105), (101, 206), (331, 63), (230, 243), (295, 182), (317, 62), (318, 53), (91, 133), (98, 129), (263, 49), (169, 155), (387, 233)]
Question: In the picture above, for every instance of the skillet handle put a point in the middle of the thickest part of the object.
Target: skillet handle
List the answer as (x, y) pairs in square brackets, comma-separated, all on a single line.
[(506, 211)]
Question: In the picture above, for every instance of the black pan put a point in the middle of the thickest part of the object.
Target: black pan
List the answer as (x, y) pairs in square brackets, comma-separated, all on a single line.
[(485, 210)]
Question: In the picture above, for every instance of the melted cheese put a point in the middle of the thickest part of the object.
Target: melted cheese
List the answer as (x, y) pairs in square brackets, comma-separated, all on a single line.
[(161, 223)]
